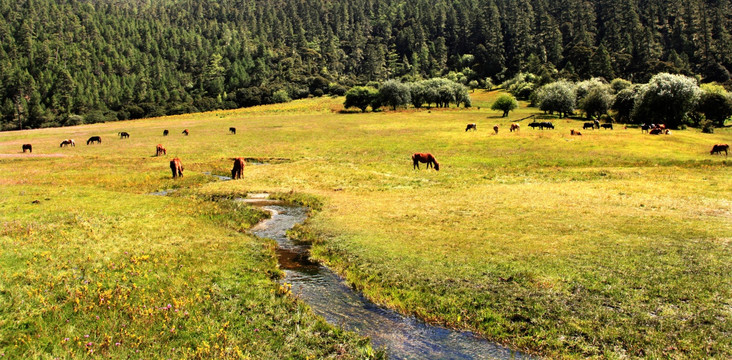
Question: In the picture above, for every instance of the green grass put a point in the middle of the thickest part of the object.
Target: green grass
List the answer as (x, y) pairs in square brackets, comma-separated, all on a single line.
[(613, 244)]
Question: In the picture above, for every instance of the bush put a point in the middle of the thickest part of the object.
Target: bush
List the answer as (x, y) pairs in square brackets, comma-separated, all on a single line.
[(318, 92), (619, 85), (394, 93), (280, 96), (505, 103), (666, 99), (557, 96), (360, 97)]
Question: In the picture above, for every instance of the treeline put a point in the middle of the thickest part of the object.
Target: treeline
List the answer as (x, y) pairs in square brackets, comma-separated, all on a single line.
[(65, 62), (438, 92), (670, 99)]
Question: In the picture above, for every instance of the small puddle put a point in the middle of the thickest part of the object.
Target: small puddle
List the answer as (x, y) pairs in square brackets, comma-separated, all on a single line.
[(329, 296), (220, 177)]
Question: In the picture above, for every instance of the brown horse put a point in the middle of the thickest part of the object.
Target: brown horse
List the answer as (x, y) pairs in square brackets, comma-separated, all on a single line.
[(238, 168), (176, 167), (515, 127), (160, 150), (472, 126), (424, 158), (495, 128), (28, 147), (718, 148)]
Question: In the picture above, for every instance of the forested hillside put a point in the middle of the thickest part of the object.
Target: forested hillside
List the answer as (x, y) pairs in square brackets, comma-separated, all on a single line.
[(64, 62)]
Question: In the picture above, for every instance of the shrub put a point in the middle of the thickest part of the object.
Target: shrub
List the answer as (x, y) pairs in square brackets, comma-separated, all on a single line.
[(280, 96), (666, 99), (360, 97), (505, 103)]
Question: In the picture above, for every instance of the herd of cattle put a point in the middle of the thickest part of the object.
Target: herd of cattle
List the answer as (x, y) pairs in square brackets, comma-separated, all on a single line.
[(176, 166)]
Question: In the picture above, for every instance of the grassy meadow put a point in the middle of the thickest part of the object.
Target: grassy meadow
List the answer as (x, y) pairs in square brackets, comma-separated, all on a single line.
[(613, 244)]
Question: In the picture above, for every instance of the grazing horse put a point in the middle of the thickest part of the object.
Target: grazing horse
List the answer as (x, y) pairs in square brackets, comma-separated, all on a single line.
[(424, 158), (123, 135), (185, 132), (165, 132), (160, 150), (495, 128), (718, 148), (588, 125), (176, 167), (67, 142), (28, 147), (607, 126), (94, 139), (232, 130), (238, 168), (515, 127), (472, 126), (546, 124)]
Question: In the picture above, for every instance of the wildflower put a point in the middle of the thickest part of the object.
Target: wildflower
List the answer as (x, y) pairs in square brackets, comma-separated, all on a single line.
[(117, 344), (89, 344), (66, 339), (86, 336)]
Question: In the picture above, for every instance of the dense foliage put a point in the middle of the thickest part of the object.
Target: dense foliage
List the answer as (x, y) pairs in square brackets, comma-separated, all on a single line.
[(106, 59)]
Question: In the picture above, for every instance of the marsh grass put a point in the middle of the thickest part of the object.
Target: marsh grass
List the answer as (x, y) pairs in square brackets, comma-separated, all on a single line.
[(614, 244)]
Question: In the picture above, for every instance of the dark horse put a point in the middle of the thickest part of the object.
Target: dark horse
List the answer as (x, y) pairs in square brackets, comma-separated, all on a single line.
[(232, 130), (165, 132), (94, 139), (176, 167), (718, 148), (424, 158), (238, 168), (28, 147), (185, 132), (123, 135)]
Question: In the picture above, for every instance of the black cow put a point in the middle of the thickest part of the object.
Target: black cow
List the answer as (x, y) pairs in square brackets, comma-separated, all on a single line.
[(607, 126), (28, 147), (534, 125), (94, 139), (645, 128), (165, 132), (547, 125), (123, 135), (232, 130), (588, 125), (472, 126)]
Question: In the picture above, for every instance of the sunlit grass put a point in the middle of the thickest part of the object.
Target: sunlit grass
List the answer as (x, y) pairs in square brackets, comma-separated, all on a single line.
[(611, 244)]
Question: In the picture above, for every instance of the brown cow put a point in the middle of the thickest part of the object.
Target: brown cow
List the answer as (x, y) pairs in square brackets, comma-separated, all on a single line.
[(718, 148), (238, 168), (160, 150), (515, 127), (176, 167), (495, 128), (424, 158), (28, 147)]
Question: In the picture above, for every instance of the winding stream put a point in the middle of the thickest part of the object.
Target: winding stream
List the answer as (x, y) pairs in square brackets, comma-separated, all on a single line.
[(327, 294)]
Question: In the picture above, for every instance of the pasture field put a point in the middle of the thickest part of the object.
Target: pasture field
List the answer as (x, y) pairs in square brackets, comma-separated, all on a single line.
[(614, 244)]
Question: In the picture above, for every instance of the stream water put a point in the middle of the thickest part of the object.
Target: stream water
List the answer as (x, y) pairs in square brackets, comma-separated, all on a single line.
[(327, 294)]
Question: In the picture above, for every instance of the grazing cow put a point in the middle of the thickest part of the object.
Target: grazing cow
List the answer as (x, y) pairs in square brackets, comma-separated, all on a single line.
[(588, 125), (176, 167), (535, 125), (424, 158), (28, 147), (546, 124), (495, 128), (67, 142), (165, 132), (472, 126), (94, 139), (515, 127), (160, 150), (645, 128), (607, 126), (238, 168), (597, 123), (185, 132), (123, 135), (655, 131), (232, 130), (718, 148)]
